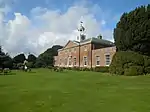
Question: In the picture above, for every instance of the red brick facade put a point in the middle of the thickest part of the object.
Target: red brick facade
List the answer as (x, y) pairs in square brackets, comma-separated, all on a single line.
[(85, 54)]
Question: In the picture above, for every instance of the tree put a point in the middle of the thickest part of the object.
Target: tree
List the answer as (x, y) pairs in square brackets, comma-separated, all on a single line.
[(132, 32), (132, 39), (31, 58), (8, 62), (19, 58), (5, 60), (47, 58), (44, 60)]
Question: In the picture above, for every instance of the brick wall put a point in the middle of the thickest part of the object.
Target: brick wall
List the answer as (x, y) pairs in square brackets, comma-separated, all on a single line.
[(102, 54), (85, 51)]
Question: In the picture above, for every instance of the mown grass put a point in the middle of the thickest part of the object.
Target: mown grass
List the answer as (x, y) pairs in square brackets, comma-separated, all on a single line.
[(73, 91)]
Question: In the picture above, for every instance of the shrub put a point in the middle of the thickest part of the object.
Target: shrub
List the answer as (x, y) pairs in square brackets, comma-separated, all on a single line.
[(14, 66), (120, 70), (1, 70), (50, 67), (146, 61), (69, 68), (6, 71), (85, 69), (103, 69), (30, 64), (76, 68), (19, 65), (147, 70), (133, 71), (124, 60)]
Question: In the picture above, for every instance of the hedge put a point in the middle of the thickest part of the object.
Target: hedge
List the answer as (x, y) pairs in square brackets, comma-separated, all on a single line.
[(133, 71), (103, 69), (129, 63)]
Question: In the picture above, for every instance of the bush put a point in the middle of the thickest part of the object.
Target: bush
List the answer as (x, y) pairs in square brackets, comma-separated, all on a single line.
[(14, 66), (134, 71), (124, 61), (30, 64), (120, 70), (50, 67), (85, 69), (19, 65), (1, 70), (6, 71), (147, 70), (8, 64), (146, 61), (76, 68), (103, 69)]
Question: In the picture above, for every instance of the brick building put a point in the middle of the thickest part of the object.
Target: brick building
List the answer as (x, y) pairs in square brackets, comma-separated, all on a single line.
[(88, 53), (83, 52)]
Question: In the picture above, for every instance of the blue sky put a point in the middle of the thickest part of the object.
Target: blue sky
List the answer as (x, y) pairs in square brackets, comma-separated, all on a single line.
[(117, 6), (113, 7), (39, 24)]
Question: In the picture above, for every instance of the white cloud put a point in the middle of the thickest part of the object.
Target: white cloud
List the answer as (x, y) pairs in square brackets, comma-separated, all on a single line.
[(48, 27), (5, 6), (103, 22)]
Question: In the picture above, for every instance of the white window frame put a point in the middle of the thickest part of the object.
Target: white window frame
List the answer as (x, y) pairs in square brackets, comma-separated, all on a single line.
[(85, 61), (106, 63), (97, 60), (74, 61), (69, 61)]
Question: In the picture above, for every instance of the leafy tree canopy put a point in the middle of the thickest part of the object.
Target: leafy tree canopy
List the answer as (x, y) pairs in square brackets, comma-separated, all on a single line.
[(46, 59), (19, 58), (132, 32), (5, 60), (31, 58)]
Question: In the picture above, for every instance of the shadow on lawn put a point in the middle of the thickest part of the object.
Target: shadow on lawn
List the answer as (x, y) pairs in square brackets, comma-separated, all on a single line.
[(31, 72), (11, 73)]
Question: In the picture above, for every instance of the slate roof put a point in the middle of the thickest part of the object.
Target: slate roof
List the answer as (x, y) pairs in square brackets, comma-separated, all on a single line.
[(98, 41), (94, 41)]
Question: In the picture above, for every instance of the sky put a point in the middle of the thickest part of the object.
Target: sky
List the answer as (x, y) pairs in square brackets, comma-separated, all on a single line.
[(32, 26)]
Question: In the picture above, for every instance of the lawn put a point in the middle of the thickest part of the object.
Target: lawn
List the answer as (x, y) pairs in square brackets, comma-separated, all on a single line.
[(72, 91)]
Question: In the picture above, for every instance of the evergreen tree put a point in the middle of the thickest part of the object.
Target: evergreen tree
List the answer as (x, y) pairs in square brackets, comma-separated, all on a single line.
[(132, 32)]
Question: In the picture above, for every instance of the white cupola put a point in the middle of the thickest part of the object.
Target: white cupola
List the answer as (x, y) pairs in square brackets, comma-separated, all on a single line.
[(81, 35)]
